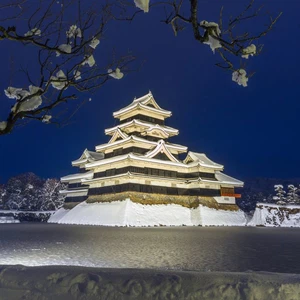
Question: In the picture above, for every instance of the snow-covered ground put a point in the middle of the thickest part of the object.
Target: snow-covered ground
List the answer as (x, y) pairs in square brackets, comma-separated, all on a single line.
[(128, 213), (63, 283), (8, 220), (273, 215)]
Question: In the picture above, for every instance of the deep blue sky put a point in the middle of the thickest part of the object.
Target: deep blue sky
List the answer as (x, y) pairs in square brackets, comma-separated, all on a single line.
[(253, 131)]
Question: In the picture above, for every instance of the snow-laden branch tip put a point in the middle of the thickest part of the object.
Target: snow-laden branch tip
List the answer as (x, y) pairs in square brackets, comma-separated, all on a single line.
[(250, 50), (15, 93), (142, 4), (31, 103), (212, 29), (3, 125), (89, 60), (59, 81), (240, 77), (67, 48), (117, 74), (32, 32), (94, 43), (74, 31), (77, 75), (46, 118)]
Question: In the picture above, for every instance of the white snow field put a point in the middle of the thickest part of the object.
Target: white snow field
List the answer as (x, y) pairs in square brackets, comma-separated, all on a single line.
[(6, 219), (128, 213), (273, 215), (67, 282)]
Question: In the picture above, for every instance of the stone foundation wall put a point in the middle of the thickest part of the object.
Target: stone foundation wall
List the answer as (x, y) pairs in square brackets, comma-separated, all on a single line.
[(151, 199)]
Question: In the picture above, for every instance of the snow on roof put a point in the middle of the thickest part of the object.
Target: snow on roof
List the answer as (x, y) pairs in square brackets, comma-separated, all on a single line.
[(223, 178), (77, 176), (141, 140), (203, 160), (143, 102), (159, 128), (74, 191), (118, 133), (161, 148), (88, 156), (140, 123)]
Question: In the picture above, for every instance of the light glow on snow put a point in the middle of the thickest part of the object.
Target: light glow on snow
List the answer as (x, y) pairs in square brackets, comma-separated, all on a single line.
[(128, 213)]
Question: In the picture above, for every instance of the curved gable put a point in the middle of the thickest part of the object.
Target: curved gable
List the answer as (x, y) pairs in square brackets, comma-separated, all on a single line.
[(161, 148)]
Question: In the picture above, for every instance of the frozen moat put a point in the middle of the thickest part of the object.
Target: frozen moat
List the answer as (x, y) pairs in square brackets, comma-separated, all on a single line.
[(226, 249)]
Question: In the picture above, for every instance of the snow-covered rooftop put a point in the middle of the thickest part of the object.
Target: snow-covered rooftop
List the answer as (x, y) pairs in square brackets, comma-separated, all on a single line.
[(228, 179), (147, 126), (143, 102), (202, 159), (77, 176), (87, 156), (134, 138)]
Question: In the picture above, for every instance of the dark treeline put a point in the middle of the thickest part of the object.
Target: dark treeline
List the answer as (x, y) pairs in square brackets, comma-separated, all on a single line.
[(31, 193)]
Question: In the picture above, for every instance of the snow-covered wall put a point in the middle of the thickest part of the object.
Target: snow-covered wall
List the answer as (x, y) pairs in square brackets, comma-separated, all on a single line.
[(128, 213), (273, 215)]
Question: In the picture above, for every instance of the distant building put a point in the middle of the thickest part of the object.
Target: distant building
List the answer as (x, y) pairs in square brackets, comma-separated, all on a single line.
[(139, 162)]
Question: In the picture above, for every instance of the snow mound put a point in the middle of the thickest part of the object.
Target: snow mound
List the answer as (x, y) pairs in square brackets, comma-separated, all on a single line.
[(57, 215), (273, 215), (128, 213), (62, 282), (8, 220), (215, 217)]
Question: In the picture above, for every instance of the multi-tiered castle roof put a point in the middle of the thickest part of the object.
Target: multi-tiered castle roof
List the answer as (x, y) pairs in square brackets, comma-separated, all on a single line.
[(139, 158)]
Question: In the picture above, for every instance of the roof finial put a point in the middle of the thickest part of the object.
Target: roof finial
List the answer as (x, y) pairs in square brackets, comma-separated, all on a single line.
[(150, 93)]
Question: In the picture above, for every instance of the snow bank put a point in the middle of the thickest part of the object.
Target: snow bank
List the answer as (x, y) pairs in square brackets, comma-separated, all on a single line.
[(215, 217), (63, 283), (273, 215), (128, 213), (8, 220), (57, 215)]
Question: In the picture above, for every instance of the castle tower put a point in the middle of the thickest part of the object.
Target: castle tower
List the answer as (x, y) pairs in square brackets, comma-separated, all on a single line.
[(139, 160)]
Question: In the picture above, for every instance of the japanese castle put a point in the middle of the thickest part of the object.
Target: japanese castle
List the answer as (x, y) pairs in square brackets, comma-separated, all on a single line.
[(139, 162)]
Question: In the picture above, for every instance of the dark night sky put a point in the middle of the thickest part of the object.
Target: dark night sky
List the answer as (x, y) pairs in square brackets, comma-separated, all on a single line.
[(253, 131)]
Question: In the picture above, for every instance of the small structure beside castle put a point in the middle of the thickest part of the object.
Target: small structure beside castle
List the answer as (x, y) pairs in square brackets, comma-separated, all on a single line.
[(140, 163)]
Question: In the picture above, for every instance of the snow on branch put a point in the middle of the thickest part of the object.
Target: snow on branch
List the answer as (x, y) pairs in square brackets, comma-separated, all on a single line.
[(26, 100), (250, 50), (32, 32), (74, 32), (240, 77), (211, 34), (142, 4), (59, 81), (117, 74), (231, 38), (94, 43)]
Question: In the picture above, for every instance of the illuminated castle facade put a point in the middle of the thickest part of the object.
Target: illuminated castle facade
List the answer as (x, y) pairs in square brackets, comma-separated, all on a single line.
[(139, 159)]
